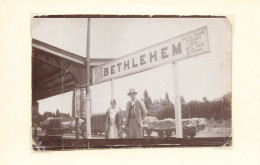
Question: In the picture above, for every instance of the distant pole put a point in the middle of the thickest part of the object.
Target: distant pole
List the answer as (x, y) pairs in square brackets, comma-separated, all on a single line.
[(112, 89), (178, 118), (88, 101)]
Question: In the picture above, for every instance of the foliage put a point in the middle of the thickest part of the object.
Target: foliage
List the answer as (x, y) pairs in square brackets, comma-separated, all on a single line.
[(217, 109), (159, 108), (163, 108), (147, 99)]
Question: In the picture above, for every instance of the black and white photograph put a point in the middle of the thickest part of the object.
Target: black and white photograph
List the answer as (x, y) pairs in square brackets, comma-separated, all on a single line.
[(113, 81)]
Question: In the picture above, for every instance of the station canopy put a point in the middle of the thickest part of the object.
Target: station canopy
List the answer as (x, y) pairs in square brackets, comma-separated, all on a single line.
[(58, 56)]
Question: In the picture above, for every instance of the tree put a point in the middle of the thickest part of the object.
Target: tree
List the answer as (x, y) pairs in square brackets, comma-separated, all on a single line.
[(219, 108), (147, 99), (167, 108), (58, 114), (167, 97), (183, 102)]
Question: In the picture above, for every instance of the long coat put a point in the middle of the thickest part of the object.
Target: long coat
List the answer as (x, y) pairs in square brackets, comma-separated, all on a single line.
[(118, 121), (139, 111)]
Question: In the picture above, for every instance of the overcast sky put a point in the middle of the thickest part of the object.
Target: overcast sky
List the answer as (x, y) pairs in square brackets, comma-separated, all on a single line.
[(208, 75)]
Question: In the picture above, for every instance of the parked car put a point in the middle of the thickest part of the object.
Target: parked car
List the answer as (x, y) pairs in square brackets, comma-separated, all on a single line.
[(44, 124), (54, 127), (68, 126), (167, 127), (195, 122)]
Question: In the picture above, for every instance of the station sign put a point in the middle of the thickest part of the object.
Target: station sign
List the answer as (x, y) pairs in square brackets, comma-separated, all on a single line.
[(184, 46)]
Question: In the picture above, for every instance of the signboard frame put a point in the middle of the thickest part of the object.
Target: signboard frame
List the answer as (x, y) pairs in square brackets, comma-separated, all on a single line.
[(79, 96), (100, 68)]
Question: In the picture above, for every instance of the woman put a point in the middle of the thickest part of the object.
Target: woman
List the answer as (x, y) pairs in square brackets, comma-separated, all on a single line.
[(113, 121)]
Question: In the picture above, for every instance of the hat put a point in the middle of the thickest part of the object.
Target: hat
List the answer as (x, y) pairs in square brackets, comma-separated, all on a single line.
[(113, 101), (131, 91)]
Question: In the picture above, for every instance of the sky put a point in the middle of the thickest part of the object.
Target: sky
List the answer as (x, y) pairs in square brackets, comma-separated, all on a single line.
[(207, 75)]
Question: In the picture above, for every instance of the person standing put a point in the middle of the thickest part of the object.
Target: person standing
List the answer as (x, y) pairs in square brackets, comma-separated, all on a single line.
[(135, 113), (113, 121)]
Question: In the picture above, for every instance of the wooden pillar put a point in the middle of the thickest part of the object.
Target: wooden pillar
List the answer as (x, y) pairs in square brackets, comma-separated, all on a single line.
[(177, 102), (112, 89), (87, 100)]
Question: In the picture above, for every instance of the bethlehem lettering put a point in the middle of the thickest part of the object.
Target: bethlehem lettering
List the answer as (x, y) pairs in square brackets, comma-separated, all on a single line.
[(148, 58)]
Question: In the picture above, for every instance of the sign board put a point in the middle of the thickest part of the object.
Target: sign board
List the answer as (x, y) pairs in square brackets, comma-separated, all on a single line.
[(178, 48), (79, 102)]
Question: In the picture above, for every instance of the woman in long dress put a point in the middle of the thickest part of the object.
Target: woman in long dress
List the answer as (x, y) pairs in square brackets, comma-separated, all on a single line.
[(113, 121)]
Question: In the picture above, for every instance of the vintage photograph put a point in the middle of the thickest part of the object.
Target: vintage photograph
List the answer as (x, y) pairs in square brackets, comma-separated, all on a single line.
[(101, 81)]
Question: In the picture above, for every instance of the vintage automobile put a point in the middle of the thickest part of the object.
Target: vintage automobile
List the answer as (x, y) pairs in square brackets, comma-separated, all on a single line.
[(68, 125), (167, 127), (200, 123), (43, 125), (54, 127), (195, 122)]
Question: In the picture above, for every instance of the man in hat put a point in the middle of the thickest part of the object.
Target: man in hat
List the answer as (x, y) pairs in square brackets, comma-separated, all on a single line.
[(135, 113)]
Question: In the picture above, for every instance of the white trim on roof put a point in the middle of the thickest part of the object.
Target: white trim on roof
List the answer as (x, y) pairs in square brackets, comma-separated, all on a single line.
[(57, 54)]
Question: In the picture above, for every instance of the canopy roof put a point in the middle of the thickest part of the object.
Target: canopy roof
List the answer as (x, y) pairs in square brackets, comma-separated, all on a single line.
[(55, 71)]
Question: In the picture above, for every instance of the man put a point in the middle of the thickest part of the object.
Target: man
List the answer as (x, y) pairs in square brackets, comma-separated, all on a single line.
[(135, 113)]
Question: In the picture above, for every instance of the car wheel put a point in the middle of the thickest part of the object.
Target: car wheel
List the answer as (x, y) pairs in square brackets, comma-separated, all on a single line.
[(149, 132), (160, 134), (186, 136), (168, 133)]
